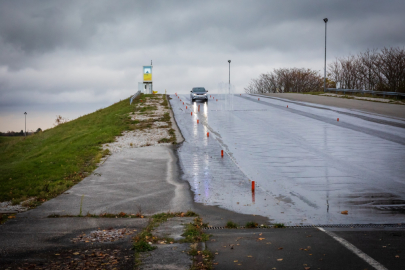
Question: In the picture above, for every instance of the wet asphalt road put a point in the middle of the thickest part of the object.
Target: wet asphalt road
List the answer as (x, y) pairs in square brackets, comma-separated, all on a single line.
[(308, 167)]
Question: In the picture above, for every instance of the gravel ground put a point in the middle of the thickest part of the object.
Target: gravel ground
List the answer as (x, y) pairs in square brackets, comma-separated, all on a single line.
[(8, 206), (145, 137)]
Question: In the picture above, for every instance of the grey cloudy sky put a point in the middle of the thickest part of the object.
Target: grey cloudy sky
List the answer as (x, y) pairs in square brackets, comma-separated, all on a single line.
[(82, 52)]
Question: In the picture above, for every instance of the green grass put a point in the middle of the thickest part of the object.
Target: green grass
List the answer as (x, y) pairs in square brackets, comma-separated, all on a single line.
[(5, 139), (47, 163), (279, 225), (142, 240)]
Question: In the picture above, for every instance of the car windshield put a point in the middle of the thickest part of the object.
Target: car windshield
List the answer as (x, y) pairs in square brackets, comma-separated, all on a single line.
[(199, 89)]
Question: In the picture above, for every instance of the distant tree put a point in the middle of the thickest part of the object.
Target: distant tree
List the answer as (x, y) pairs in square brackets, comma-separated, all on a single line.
[(379, 70), (297, 80), (38, 130)]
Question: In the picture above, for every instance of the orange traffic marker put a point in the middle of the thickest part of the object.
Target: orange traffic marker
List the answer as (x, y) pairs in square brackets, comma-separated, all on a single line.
[(210, 95), (208, 134), (287, 106), (191, 113), (222, 153), (338, 119), (186, 107), (217, 99), (240, 94), (253, 186), (258, 99), (198, 107), (183, 102), (198, 121)]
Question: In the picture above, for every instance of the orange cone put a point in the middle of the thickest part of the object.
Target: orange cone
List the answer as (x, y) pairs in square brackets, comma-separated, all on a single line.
[(253, 186), (338, 119), (222, 153), (208, 134)]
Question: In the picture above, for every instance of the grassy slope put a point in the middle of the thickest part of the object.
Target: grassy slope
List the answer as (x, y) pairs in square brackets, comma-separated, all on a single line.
[(48, 163)]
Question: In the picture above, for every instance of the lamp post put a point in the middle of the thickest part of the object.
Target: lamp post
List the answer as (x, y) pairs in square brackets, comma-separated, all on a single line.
[(229, 61), (25, 124), (324, 74)]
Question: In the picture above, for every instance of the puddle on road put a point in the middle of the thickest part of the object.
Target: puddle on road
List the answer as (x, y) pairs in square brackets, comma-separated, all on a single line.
[(306, 171)]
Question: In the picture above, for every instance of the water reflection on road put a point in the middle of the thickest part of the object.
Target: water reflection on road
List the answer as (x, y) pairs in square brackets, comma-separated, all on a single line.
[(308, 167)]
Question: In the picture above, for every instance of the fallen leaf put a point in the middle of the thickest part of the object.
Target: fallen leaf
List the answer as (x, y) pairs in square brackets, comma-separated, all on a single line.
[(396, 256), (235, 261), (57, 254), (280, 248), (250, 256), (76, 253), (261, 239), (344, 212), (279, 260), (307, 268), (260, 233), (268, 243)]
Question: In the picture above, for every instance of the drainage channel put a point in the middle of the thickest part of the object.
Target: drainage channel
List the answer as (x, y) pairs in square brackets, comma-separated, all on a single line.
[(321, 225)]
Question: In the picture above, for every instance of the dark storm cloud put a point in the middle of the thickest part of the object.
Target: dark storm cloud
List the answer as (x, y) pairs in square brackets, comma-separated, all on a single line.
[(64, 50)]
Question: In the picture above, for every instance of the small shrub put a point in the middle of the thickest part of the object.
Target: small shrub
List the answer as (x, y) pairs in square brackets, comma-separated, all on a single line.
[(231, 225), (279, 225), (143, 246), (251, 224)]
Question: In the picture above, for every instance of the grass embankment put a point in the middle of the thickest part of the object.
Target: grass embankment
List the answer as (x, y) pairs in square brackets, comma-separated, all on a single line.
[(46, 164)]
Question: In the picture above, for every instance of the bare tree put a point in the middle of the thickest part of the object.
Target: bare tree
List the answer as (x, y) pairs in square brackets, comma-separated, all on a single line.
[(286, 80), (371, 70)]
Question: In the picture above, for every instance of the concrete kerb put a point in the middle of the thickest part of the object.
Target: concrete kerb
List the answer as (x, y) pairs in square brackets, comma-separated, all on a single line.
[(179, 136)]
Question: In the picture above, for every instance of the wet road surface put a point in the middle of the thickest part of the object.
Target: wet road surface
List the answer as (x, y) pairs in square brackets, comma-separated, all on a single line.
[(308, 167)]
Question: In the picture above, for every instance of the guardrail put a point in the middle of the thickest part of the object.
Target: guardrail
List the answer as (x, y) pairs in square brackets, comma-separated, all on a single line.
[(374, 93), (134, 96)]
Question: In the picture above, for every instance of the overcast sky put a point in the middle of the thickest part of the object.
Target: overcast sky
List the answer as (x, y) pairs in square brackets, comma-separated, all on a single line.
[(81, 52)]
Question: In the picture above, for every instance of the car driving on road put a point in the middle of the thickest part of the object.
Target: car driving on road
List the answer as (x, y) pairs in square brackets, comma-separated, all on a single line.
[(199, 93)]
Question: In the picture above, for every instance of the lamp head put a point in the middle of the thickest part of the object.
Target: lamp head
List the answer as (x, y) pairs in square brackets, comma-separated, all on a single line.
[(25, 113), (229, 61), (325, 20)]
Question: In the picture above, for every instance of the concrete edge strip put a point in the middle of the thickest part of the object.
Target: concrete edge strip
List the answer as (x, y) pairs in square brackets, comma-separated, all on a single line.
[(174, 121), (355, 250), (372, 132), (399, 124)]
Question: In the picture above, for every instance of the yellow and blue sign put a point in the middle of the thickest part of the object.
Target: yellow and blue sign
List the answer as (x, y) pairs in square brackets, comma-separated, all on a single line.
[(147, 73)]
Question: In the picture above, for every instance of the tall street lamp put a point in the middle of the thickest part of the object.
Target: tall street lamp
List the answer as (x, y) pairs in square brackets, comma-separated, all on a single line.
[(229, 61), (25, 124), (324, 74)]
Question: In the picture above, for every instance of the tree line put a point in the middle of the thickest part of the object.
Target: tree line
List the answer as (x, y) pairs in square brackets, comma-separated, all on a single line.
[(377, 70), (21, 133)]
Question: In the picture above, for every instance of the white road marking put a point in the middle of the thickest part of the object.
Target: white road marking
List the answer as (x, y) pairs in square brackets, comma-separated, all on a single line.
[(355, 250)]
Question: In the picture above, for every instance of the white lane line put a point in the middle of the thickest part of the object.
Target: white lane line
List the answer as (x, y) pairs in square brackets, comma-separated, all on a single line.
[(355, 250)]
